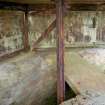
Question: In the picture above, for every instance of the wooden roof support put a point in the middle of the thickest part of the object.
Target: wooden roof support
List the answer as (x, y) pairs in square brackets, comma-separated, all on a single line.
[(48, 7), (60, 52), (12, 6), (45, 33), (25, 31), (11, 54), (43, 8)]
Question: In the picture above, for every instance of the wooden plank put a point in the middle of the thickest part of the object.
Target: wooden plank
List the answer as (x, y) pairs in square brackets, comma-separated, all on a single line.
[(43, 8), (11, 54), (12, 6), (51, 1)]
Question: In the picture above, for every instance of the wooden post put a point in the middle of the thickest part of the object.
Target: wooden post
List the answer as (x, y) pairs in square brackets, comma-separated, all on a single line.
[(25, 31), (60, 52)]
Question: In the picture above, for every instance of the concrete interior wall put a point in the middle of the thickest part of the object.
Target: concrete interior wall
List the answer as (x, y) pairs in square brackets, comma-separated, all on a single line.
[(11, 35), (80, 27)]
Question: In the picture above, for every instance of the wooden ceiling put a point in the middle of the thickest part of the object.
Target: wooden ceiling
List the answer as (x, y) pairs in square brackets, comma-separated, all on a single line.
[(27, 1), (49, 5), (51, 1)]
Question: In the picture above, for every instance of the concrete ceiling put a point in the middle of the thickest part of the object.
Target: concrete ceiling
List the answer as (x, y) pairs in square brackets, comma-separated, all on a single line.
[(49, 1)]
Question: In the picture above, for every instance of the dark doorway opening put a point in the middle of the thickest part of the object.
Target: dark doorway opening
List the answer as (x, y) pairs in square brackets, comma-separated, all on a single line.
[(69, 93), (52, 99)]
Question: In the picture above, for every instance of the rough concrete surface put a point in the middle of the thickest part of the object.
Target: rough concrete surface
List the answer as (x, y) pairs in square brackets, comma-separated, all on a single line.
[(87, 98), (26, 79), (30, 77), (95, 56)]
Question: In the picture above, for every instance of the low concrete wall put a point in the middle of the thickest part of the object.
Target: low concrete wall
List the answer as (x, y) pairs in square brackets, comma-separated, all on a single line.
[(27, 79)]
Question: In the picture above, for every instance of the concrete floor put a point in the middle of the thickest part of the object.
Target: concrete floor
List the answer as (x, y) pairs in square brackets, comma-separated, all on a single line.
[(29, 78)]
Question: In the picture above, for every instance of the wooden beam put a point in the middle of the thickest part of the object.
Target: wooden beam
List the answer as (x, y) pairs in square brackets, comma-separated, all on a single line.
[(25, 31), (60, 52), (45, 33), (42, 8), (12, 6), (10, 54), (36, 7), (87, 1)]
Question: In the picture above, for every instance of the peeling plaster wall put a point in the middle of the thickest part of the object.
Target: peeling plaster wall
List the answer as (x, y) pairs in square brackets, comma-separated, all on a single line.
[(80, 26), (11, 36), (37, 25)]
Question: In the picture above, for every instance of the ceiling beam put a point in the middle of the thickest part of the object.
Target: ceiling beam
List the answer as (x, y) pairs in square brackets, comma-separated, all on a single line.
[(71, 7), (50, 8), (13, 6)]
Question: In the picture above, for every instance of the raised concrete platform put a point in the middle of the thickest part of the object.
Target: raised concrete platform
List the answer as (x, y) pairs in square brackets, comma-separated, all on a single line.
[(83, 76), (80, 74)]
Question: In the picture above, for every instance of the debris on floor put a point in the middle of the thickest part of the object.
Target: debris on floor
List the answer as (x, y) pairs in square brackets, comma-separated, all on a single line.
[(87, 98), (94, 56)]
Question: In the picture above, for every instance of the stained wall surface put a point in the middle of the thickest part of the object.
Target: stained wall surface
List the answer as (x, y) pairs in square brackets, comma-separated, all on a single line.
[(11, 35), (80, 27)]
